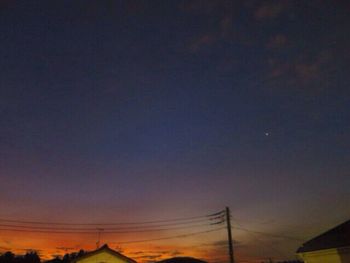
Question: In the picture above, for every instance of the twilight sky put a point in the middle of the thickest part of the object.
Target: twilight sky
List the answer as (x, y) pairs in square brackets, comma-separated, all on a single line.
[(143, 110)]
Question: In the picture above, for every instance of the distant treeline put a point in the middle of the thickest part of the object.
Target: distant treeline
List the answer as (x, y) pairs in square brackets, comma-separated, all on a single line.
[(286, 261), (33, 257), (29, 257), (67, 258)]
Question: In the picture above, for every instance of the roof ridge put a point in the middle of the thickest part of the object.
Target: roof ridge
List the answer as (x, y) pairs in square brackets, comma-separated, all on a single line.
[(338, 236), (107, 248)]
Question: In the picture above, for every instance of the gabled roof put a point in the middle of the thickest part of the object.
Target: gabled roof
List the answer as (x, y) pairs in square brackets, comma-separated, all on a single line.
[(107, 249), (336, 237)]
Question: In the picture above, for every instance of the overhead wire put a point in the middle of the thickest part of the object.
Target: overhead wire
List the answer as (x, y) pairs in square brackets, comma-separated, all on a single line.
[(268, 234), (57, 228), (255, 236), (172, 237), (111, 223), (122, 227), (110, 228), (242, 228), (93, 231)]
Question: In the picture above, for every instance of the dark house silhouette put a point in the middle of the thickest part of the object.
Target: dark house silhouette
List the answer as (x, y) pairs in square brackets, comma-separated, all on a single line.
[(333, 246), (103, 254)]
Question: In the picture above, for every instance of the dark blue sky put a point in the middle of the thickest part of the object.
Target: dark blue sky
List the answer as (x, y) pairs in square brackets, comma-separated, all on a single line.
[(161, 108)]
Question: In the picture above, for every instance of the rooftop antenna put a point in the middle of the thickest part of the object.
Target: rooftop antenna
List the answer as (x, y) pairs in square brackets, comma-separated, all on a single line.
[(119, 248), (98, 237)]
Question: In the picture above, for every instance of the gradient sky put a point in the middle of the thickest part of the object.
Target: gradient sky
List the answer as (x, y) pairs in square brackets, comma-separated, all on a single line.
[(143, 110)]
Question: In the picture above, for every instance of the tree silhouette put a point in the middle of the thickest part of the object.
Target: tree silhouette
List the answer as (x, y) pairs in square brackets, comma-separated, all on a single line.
[(29, 257), (33, 257), (7, 257)]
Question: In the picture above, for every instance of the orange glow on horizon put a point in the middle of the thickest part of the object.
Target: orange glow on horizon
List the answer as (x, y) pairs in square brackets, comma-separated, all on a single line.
[(51, 245)]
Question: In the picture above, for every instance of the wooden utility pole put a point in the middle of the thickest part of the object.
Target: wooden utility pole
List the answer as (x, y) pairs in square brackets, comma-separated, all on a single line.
[(230, 243)]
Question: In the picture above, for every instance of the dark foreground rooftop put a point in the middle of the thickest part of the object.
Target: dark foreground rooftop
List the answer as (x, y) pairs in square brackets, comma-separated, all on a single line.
[(336, 237)]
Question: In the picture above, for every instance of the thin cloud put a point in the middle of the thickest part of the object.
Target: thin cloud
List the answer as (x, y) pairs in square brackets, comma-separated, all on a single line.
[(150, 257), (202, 41), (277, 41), (226, 25), (204, 6), (222, 243), (303, 73), (307, 71), (5, 248), (135, 7), (270, 9), (176, 253), (220, 29)]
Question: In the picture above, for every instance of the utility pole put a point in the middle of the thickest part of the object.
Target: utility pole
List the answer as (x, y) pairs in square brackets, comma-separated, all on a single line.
[(230, 243)]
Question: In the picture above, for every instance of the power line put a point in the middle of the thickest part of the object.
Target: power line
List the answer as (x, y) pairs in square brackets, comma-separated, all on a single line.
[(268, 234), (263, 233), (172, 237), (89, 231), (125, 230), (127, 242), (189, 223), (255, 234), (110, 223)]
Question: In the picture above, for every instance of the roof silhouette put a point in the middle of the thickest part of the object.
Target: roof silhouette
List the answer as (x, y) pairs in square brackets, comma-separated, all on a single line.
[(336, 237), (106, 248)]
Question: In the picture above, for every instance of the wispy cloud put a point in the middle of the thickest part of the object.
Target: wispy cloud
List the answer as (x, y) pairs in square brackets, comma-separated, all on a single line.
[(150, 257), (277, 41), (199, 42), (270, 9), (196, 6), (175, 253), (154, 255), (219, 29), (204, 6), (303, 73), (5, 249), (135, 7)]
